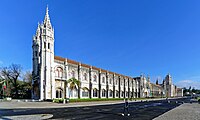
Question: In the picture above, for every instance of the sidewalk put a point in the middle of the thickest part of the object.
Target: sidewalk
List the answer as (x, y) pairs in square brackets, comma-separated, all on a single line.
[(185, 111)]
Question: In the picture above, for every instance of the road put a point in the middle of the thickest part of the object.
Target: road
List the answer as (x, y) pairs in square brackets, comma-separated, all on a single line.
[(146, 110)]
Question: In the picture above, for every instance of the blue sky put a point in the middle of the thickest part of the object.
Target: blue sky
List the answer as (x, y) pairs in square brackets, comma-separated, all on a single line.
[(128, 37)]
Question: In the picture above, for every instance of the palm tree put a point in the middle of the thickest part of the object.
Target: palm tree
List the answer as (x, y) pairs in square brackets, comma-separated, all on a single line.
[(73, 83)]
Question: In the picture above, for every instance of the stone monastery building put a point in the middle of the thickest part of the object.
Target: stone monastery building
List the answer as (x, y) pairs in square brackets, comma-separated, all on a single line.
[(50, 73)]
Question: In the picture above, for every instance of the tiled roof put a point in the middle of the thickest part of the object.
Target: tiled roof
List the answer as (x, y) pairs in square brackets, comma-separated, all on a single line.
[(59, 58), (88, 66), (95, 68), (85, 65), (72, 62)]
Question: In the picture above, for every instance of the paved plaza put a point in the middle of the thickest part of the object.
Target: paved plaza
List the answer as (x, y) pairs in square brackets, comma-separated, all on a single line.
[(145, 110), (23, 104), (186, 111)]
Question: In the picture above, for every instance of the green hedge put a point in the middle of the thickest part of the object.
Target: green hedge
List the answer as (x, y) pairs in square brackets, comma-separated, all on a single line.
[(198, 98), (60, 100), (94, 99)]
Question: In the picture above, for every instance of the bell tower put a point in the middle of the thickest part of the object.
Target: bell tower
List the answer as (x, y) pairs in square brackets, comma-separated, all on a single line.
[(43, 60)]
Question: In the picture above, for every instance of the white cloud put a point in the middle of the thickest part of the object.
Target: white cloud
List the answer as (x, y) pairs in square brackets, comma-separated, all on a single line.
[(1, 62), (188, 83)]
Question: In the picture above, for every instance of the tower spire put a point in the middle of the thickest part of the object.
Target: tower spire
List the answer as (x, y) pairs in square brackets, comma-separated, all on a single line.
[(38, 29), (47, 22)]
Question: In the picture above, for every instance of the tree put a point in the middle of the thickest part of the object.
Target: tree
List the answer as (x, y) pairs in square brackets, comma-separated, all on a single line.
[(193, 90), (26, 85), (12, 73), (73, 83), (185, 90), (27, 77), (189, 89), (157, 82)]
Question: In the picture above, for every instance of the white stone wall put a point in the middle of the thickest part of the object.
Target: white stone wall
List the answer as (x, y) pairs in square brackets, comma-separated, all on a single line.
[(110, 85), (116, 84), (116, 79), (126, 87), (84, 82), (94, 84), (122, 87), (103, 85), (72, 72), (130, 87)]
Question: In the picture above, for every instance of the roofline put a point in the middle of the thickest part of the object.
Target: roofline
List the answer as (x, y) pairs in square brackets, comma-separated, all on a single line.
[(88, 66)]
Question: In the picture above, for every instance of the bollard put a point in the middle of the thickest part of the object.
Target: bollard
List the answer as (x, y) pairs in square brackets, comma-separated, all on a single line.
[(168, 101)]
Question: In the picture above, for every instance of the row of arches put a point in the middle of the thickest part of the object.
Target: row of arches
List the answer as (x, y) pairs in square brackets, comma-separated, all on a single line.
[(85, 77), (59, 73), (95, 93)]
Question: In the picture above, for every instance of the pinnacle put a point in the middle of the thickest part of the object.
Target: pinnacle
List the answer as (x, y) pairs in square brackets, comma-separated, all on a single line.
[(38, 29), (47, 22)]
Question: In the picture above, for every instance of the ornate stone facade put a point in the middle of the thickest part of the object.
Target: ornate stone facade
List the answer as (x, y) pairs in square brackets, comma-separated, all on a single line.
[(50, 73)]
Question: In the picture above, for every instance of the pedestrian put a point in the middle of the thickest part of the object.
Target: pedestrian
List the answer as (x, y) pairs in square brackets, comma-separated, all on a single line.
[(126, 105)]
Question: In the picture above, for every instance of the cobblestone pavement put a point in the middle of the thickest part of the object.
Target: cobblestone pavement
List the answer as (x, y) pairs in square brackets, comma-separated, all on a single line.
[(185, 111)]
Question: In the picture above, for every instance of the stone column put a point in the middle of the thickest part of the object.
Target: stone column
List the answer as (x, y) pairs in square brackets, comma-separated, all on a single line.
[(107, 87), (99, 84), (113, 85), (119, 85), (90, 84)]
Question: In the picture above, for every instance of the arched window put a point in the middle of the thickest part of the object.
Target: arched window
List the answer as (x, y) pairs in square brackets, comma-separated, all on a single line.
[(116, 82), (94, 92), (110, 93), (126, 83), (122, 82), (73, 74), (73, 93), (59, 93), (95, 78), (59, 72), (117, 93), (103, 79), (130, 83), (85, 76), (85, 92), (103, 93), (110, 81), (56, 72), (126, 94), (122, 93), (48, 45)]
